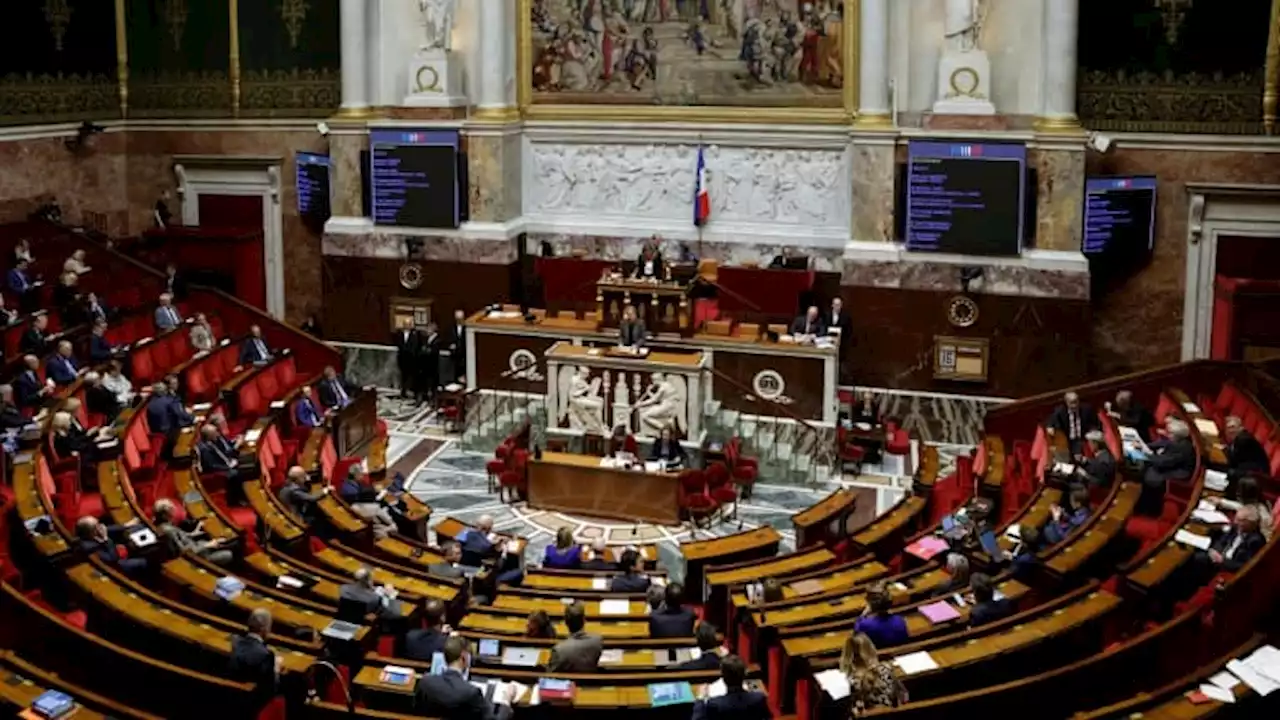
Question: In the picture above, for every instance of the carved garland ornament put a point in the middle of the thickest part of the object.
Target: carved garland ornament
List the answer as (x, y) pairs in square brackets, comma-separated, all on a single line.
[(962, 311), (411, 276)]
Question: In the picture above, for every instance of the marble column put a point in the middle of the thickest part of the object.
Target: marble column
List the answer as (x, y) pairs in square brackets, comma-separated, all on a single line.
[(1059, 163), (497, 62), (346, 141), (355, 61), (493, 173), (873, 182), (873, 65), (1058, 99)]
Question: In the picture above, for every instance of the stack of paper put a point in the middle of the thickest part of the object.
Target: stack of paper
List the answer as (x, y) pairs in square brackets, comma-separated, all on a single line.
[(1191, 407), (615, 607), (611, 656), (834, 683), (599, 583), (1186, 537), (1211, 517), (916, 662), (1213, 692), (1215, 480)]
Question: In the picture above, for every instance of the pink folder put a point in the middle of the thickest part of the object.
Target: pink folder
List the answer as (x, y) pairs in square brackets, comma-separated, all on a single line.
[(927, 546), (939, 612)]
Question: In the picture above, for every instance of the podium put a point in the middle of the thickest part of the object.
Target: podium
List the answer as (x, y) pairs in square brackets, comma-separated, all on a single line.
[(663, 306)]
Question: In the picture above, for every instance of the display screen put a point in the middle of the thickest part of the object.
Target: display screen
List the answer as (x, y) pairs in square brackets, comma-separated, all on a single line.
[(966, 198), (415, 178), (1119, 214), (313, 185)]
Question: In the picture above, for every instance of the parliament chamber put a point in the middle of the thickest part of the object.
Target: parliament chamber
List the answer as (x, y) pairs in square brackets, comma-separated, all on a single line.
[(809, 359)]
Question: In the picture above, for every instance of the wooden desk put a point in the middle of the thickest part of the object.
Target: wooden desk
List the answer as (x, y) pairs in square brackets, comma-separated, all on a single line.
[(355, 425), (1098, 534), (1213, 448), (699, 555), (21, 683), (721, 580), (827, 520), (515, 623), (578, 484), (882, 536), (525, 604), (31, 505), (662, 305)]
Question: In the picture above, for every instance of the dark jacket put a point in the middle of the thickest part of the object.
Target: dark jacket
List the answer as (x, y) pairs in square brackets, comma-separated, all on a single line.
[(631, 334), (450, 696), (989, 612), (26, 389), (373, 602), (422, 643), (658, 266), (1246, 455), (709, 660), (99, 349), (165, 415), (252, 661), (34, 342), (628, 583), (329, 395), (1176, 461), (1100, 469), (668, 451), (802, 326), (599, 563), (676, 623), (11, 417), (216, 455), (1139, 418), (254, 350), (101, 401), (1060, 420), (1249, 546), (737, 704), (62, 370), (305, 414), (580, 652), (298, 500)]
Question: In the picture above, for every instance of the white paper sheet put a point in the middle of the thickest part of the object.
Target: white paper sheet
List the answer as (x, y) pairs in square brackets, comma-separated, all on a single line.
[(916, 662), (1213, 692), (1189, 538), (834, 683), (1207, 427), (611, 656), (1215, 480), (1191, 407), (715, 689), (1266, 660), (615, 607), (1256, 681), (1212, 517), (1225, 680), (599, 583)]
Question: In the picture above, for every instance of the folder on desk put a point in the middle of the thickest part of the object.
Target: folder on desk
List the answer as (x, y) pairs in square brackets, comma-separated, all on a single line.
[(926, 547), (340, 630), (615, 607), (520, 657), (916, 662), (833, 682), (939, 612), (611, 656), (670, 693), (1186, 537)]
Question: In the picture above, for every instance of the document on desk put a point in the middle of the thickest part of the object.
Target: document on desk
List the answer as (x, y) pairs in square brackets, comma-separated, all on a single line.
[(1211, 517), (1061, 468), (611, 656), (615, 607), (939, 612), (834, 682), (806, 587), (599, 583), (916, 662), (1207, 427), (1186, 537), (520, 656), (1213, 692), (1266, 660), (1191, 407), (1225, 680), (1256, 681), (1215, 480)]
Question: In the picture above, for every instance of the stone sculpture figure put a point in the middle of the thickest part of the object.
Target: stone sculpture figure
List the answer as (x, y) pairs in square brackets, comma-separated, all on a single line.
[(437, 23)]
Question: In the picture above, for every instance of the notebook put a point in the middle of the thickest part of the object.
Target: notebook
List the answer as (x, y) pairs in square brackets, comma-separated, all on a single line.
[(939, 612), (834, 682), (926, 547), (916, 662)]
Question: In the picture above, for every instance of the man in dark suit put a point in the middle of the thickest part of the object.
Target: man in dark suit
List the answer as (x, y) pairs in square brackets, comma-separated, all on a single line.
[(1230, 550), (1171, 461), (335, 392), (174, 283), (986, 608), (100, 350), (632, 579), (1100, 469), (599, 559), (449, 567), (165, 413), (27, 387), (865, 409), (254, 349), (23, 286), (166, 316), (217, 454), (305, 413), (667, 449), (1245, 455), (649, 265), (251, 660), (428, 363), (631, 332), (1127, 412), (406, 341), (737, 702), (458, 345), (422, 643), (62, 368), (11, 417), (580, 652), (476, 543), (294, 495), (837, 319), (1073, 419), (98, 399), (450, 695), (361, 592), (353, 484), (673, 619), (35, 339), (708, 647), (94, 310), (809, 324), (94, 538)]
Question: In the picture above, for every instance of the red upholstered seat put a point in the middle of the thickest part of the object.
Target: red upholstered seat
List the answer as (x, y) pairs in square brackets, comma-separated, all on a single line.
[(286, 375), (141, 367), (695, 502), (899, 443), (513, 481), (249, 401), (493, 469)]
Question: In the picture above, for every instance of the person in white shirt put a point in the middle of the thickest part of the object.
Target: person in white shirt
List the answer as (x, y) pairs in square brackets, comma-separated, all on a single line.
[(167, 316), (116, 382), (201, 335), (75, 263)]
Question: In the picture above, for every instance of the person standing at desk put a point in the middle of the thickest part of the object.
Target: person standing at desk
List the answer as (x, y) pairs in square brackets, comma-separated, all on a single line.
[(649, 265), (631, 332), (1073, 419)]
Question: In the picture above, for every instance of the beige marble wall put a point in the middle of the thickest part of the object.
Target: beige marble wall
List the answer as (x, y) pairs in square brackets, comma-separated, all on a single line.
[(1060, 194), (493, 174), (872, 185), (344, 152), (89, 185)]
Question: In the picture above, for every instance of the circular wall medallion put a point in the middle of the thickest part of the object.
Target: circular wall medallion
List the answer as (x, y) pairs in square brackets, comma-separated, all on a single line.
[(427, 80), (962, 311), (964, 81), (768, 384), (521, 360), (411, 276)]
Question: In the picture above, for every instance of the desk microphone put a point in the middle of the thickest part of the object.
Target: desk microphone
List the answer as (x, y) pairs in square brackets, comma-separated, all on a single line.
[(635, 529)]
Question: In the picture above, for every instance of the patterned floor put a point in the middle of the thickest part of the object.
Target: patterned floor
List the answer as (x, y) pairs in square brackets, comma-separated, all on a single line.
[(453, 482)]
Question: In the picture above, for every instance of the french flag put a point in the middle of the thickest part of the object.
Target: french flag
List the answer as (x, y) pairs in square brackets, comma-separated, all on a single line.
[(701, 198)]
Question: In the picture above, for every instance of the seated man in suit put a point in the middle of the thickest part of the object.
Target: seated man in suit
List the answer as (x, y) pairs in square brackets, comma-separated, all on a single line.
[(217, 552), (98, 399), (254, 349), (27, 387), (374, 600), (305, 413), (1230, 550), (23, 287), (1064, 520), (35, 339), (62, 367), (667, 449), (355, 481), (1073, 419), (450, 567), (167, 316), (631, 331), (217, 454), (1245, 455), (708, 646), (11, 418), (580, 652), (986, 608), (251, 659), (422, 643), (165, 413), (809, 324), (294, 495), (335, 392), (1128, 413), (367, 506), (598, 557), (673, 620), (1172, 461), (632, 579), (476, 542), (1100, 469), (94, 538), (737, 702), (100, 350), (450, 695)]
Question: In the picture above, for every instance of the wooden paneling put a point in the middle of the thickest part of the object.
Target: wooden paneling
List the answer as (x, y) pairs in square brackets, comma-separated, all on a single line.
[(357, 293), (494, 354), (1037, 344), (801, 378)]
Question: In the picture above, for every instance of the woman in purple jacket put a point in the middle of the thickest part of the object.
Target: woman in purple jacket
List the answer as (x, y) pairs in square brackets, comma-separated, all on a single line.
[(565, 553)]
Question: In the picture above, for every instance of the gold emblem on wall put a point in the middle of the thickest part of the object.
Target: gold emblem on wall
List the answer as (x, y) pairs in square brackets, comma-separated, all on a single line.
[(411, 276), (962, 311), (1173, 12), (294, 14), (58, 14), (964, 83), (174, 13)]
